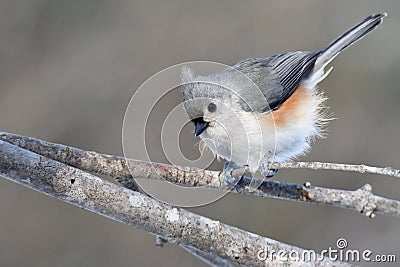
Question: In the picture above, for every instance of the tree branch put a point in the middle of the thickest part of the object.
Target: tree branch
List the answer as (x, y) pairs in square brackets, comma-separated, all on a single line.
[(177, 225), (361, 200), (362, 168)]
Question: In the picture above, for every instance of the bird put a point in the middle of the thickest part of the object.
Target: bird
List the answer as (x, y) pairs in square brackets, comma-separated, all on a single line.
[(265, 110)]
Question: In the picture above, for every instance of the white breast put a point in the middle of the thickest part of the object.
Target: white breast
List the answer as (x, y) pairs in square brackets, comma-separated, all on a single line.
[(271, 137)]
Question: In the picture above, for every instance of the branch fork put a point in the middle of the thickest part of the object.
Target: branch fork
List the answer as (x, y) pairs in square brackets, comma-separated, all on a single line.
[(68, 174)]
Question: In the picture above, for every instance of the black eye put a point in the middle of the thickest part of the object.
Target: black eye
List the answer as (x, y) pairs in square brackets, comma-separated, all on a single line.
[(212, 107)]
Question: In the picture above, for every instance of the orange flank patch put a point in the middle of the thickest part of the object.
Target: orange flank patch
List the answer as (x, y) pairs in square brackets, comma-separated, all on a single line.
[(291, 109)]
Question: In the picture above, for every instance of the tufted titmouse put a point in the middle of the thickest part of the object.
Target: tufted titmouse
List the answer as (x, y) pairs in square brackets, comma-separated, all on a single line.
[(264, 110)]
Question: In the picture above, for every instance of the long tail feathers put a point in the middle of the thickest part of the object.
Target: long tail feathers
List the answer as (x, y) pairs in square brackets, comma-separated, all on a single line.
[(347, 39)]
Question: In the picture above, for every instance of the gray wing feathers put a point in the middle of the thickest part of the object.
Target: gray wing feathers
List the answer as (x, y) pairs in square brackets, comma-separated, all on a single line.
[(278, 77), (291, 68)]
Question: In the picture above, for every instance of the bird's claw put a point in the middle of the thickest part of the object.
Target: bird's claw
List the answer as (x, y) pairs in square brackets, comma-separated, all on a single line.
[(266, 171), (230, 175), (270, 173)]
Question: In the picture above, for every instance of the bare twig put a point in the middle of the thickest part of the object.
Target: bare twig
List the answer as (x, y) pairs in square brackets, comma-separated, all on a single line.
[(133, 208), (41, 147), (361, 200), (362, 168)]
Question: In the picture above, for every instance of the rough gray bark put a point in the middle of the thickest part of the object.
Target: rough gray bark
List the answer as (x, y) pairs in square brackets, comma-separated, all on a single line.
[(361, 200), (138, 210)]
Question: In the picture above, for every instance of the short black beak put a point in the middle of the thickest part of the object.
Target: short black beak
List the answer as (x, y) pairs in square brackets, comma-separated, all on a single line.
[(199, 127)]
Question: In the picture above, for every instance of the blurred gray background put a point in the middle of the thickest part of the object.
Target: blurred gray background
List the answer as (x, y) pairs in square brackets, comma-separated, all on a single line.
[(69, 68)]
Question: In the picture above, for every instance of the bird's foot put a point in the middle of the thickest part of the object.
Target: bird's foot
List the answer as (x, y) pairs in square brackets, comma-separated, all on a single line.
[(266, 171), (231, 174), (270, 173)]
